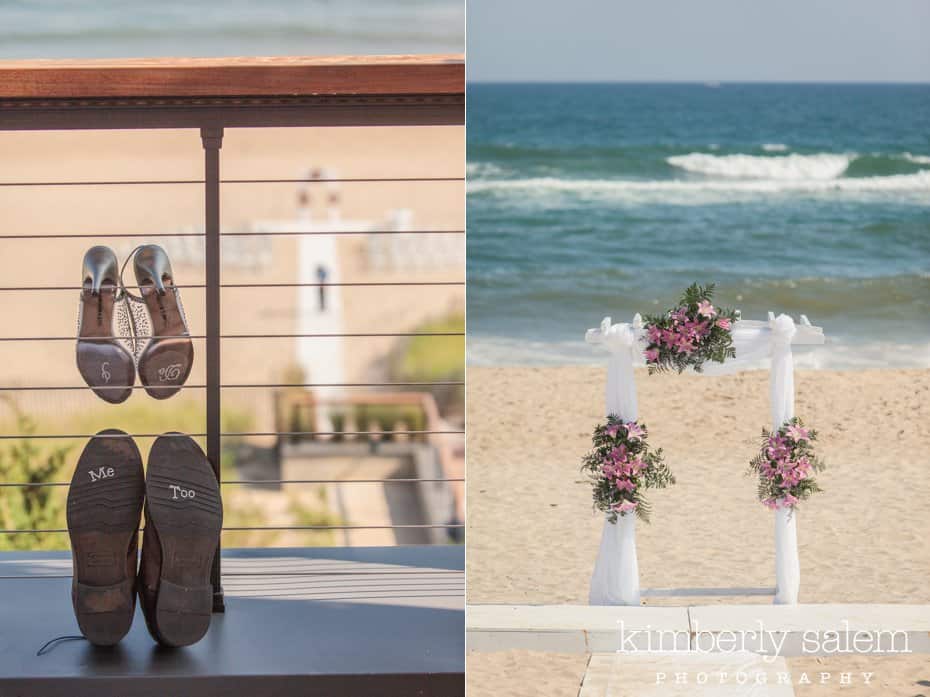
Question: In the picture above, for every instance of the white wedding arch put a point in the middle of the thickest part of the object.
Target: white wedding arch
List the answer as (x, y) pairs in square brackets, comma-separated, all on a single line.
[(615, 580)]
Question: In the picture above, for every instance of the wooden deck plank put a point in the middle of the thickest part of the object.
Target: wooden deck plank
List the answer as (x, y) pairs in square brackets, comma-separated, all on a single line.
[(442, 74)]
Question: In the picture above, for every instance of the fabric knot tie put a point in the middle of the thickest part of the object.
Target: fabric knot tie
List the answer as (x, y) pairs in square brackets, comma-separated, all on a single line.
[(619, 341), (783, 330), (618, 337)]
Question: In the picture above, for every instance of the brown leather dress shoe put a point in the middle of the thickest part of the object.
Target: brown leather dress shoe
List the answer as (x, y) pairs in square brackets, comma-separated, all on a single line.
[(183, 519), (104, 505)]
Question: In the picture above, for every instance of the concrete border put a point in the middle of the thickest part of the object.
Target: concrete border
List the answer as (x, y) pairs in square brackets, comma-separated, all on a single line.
[(789, 630), (574, 628)]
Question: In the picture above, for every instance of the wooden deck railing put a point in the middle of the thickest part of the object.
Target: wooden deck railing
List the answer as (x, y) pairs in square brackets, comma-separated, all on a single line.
[(230, 92), (212, 95)]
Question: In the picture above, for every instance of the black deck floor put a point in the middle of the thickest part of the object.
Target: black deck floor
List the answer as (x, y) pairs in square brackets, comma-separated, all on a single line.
[(308, 621)]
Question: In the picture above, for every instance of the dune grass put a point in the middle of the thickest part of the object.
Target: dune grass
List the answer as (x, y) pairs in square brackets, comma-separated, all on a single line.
[(429, 358)]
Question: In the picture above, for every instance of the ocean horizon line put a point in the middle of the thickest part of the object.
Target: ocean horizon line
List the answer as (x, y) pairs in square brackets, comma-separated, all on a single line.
[(709, 83)]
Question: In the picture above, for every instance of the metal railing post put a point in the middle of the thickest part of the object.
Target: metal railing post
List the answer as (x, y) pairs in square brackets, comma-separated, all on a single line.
[(212, 139)]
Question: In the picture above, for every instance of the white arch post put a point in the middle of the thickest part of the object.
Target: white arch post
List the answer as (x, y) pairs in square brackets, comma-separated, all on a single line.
[(774, 338), (615, 580)]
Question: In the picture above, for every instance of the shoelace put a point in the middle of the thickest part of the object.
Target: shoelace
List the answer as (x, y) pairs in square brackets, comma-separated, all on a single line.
[(51, 644)]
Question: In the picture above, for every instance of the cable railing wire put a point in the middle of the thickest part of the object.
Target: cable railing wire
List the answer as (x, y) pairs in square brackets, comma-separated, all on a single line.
[(236, 434), (286, 233), (254, 528), (178, 182), (346, 284), (265, 482), (318, 335), (263, 233), (233, 386), (294, 574)]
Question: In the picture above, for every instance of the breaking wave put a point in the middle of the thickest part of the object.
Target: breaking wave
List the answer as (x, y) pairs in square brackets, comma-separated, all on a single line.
[(917, 159), (918, 182), (782, 167)]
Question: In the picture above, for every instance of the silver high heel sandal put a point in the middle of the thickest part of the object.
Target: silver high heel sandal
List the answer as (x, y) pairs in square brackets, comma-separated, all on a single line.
[(105, 346), (164, 352)]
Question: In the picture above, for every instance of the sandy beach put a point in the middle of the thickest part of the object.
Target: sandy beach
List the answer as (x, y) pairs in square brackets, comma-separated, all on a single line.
[(533, 536)]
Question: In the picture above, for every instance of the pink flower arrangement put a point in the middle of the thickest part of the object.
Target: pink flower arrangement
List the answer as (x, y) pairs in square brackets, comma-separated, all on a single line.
[(786, 464), (621, 467), (690, 334)]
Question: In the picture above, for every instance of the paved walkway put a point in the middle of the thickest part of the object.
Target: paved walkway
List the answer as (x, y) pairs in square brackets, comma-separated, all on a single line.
[(689, 675)]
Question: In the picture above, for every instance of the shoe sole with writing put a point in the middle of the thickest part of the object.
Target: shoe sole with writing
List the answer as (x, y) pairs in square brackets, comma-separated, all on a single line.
[(103, 511), (184, 506)]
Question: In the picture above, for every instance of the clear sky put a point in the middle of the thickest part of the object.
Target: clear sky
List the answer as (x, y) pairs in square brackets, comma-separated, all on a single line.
[(699, 40)]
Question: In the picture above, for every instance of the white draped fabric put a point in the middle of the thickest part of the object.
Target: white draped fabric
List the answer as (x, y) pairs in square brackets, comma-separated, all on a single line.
[(773, 339), (623, 343), (781, 375), (754, 342), (787, 562), (615, 580)]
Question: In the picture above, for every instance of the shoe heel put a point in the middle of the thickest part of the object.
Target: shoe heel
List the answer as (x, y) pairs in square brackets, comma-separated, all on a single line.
[(183, 613), (96, 279), (104, 613), (152, 267), (100, 265)]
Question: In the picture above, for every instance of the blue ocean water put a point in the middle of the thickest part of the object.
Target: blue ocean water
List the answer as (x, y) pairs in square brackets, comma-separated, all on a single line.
[(587, 200), (115, 28)]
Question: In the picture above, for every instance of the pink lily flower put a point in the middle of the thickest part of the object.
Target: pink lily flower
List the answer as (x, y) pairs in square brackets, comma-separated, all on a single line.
[(624, 507), (619, 453), (633, 430), (685, 346), (705, 309)]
